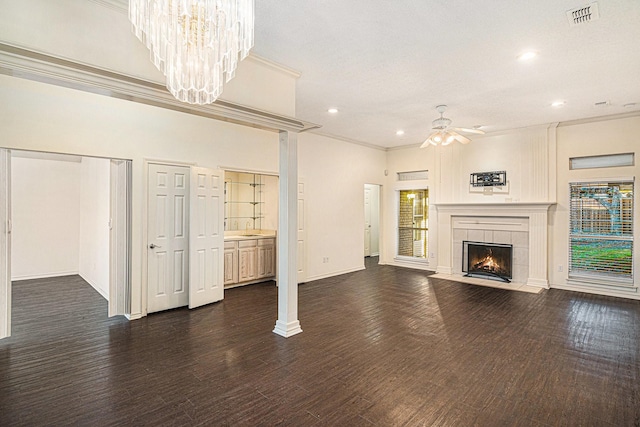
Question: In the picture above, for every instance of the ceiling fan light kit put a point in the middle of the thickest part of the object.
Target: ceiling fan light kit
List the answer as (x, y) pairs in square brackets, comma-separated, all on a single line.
[(445, 135)]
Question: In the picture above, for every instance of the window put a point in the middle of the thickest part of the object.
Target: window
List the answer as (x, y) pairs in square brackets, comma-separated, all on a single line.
[(601, 231), (413, 223)]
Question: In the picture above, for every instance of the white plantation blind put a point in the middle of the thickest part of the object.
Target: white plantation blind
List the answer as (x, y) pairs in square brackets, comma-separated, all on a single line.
[(601, 231)]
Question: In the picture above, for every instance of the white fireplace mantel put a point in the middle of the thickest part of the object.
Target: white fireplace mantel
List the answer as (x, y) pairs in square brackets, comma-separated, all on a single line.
[(535, 212)]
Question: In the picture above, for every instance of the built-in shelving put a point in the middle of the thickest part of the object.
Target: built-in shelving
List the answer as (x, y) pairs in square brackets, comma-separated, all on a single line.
[(243, 201)]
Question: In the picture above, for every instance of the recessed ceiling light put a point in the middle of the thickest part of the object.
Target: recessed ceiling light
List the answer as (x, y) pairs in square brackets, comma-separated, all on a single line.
[(400, 132), (525, 56), (332, 110), (558, 104)]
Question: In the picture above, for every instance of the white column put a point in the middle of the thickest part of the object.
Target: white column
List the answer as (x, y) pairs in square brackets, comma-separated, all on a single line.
[(288, 323), (538, 249)]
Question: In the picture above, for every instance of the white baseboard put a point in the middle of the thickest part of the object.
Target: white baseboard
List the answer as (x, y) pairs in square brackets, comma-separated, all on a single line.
[(632, 293), (44, 275), (408, 264), (335, 273), (97, 288)]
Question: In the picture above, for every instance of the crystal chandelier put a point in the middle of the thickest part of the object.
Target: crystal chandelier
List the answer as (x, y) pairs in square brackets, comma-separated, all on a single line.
[(195, 43)]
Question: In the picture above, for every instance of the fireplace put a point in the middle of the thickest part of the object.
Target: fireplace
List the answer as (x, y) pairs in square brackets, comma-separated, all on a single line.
[(490, 260)]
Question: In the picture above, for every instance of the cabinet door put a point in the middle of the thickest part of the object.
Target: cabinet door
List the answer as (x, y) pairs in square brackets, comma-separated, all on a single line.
[(230, 266), (247, 264), (266, 261)]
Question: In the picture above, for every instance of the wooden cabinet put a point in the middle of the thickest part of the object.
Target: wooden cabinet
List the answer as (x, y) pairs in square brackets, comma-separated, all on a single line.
[(266, 258), (247, 251), (230, 263), (249, 260)]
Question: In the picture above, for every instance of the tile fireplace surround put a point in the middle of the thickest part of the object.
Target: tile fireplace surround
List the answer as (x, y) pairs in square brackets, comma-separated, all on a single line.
[(524, 225)]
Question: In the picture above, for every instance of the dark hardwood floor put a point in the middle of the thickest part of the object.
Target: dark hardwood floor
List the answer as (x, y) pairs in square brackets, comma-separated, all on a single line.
[(384, 346)]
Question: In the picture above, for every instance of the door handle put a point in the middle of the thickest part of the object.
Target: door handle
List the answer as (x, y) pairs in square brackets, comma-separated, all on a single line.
[(153, 246)]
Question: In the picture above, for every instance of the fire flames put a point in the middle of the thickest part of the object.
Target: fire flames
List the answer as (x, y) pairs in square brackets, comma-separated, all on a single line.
[(488, 263)]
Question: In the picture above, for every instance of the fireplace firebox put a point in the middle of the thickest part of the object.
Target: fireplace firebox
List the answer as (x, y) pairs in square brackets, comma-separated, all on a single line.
[(490, 260)]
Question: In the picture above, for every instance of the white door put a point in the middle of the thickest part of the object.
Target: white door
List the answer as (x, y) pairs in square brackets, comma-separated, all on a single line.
[(5, 243), (302, 235), (206, 237), (119, 238), (367, 221), (168, 237)]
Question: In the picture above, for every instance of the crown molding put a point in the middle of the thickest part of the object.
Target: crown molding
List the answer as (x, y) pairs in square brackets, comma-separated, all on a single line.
[(600, 118), (119, 5), (350, 141), (273, 65), (37, 66)]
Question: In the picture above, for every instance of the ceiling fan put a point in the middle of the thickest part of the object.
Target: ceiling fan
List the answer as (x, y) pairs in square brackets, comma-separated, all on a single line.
[(445, 135)]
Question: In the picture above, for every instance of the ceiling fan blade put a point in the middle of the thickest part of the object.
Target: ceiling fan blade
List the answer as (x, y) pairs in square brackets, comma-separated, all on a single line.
[(476, 131), (461, 139), (428, 141)]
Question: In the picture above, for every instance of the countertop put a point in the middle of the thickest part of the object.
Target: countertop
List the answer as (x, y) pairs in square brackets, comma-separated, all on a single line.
[(250, 235)]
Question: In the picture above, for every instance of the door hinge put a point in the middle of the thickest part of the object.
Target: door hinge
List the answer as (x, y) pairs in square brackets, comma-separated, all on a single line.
[(110, 223), (9, 226)]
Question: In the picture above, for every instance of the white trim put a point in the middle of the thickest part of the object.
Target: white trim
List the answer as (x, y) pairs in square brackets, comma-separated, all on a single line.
[(274, 65), (333, 274), (598, 180), (416, 265), (38, 66), (244, 170), (46, 275), (118, 5), (5, 243), (95, 288), (608, 290)]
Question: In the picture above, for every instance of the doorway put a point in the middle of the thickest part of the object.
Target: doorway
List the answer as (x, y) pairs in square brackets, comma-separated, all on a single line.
[(371, 220), (70, 216), (185, 236)]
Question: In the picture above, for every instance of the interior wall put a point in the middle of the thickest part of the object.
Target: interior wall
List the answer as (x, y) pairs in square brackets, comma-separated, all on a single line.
[(93, 263), (523, 153), (102, 36), (43, 117), (50, 118), (408, 160), (589, 139), (334, 173), (45, 215)]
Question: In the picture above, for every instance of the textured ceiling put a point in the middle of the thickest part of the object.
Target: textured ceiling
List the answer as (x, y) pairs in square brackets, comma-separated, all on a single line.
[(387, 64)]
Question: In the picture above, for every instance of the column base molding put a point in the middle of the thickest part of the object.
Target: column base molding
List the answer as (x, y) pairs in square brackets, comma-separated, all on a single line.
[(287, 329)]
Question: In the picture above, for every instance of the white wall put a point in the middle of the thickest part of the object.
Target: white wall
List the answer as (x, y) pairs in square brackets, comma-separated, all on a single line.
[(93, 262), (102, 36), (45, 215), (334, 173), (77, 122), (407, 160), (588, 139)]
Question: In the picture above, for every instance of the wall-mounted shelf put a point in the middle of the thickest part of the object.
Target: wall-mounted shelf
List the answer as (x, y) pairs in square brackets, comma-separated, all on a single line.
[(243, 201)]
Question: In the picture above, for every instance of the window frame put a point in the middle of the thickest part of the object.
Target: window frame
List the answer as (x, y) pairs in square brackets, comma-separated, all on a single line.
[(599, 277), (425, 230)]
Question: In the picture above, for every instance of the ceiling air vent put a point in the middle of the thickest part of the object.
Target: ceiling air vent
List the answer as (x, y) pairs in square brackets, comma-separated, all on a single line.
[(583, 14)]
